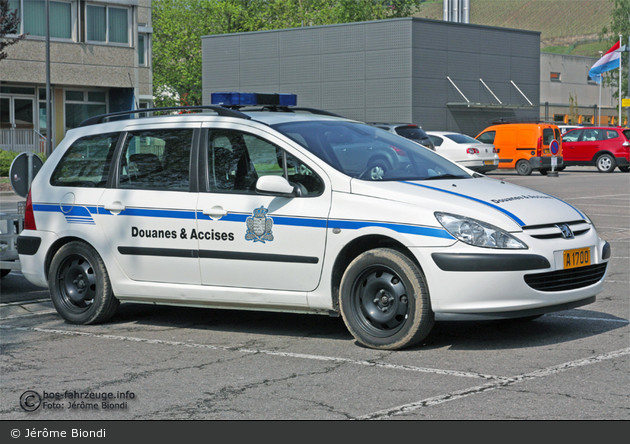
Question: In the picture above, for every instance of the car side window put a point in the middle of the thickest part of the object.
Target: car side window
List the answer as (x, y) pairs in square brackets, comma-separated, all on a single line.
[(611, 134), (487, 137), (86, 163), (591, 135), (236, 160), (572, 136), (156, 160)]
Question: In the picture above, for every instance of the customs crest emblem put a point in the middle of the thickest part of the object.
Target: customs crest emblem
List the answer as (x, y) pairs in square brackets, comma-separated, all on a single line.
[(259, 226)]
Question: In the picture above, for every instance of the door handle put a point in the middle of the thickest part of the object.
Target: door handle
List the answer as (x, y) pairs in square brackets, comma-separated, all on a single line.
[(114, 207), (216, 212)]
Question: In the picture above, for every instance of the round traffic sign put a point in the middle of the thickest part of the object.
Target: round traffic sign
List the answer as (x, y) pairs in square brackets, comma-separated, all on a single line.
[(19, 172), (554, 146)]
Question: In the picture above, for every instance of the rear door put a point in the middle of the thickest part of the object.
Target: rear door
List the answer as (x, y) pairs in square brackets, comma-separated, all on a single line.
[(589, 144), (148, 215)]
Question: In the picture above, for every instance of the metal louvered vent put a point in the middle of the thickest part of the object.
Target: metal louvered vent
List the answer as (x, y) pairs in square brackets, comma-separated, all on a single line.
[(554, 231), (563, 280)]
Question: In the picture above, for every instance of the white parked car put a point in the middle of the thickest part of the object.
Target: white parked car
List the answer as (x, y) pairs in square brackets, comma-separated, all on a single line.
[(232, 208), (465, 150)]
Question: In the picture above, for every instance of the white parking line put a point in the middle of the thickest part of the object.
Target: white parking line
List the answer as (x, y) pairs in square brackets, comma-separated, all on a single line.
[(258, 351), (459, 394)]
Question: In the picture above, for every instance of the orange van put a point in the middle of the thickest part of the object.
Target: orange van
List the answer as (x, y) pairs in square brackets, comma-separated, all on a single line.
[(525, 146)]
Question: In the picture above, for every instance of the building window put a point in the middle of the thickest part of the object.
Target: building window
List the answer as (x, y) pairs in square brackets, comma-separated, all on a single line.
[(32, 15), (106, 24), (142, 49), (554, 77), (81, 105)]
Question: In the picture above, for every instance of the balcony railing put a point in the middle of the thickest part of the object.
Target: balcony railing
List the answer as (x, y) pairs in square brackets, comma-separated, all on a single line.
[(21, 140)]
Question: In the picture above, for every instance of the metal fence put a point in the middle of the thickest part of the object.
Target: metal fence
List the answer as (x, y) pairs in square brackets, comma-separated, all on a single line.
[(22, 140)]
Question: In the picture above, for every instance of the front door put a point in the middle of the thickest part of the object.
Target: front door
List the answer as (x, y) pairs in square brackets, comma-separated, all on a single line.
[(254, 241)]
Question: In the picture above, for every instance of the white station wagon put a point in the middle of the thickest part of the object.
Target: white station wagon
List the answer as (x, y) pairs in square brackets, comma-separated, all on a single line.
[(277, 209)]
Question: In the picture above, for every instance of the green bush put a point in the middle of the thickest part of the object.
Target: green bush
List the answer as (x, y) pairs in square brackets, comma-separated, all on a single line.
[(6, 158)]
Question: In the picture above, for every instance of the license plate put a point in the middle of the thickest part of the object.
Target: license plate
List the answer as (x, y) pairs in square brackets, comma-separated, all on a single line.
[(488, 162), (580, 257)]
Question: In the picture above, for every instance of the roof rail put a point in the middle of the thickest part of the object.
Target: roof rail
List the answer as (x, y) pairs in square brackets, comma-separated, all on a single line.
[(220, 110), (503, 120)]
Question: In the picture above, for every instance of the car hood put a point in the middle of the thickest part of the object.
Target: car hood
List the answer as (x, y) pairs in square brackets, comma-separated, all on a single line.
[(494, 201)]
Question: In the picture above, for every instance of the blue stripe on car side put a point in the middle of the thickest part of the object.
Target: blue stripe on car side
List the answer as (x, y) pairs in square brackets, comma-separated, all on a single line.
[(278, 220), (507, 213)]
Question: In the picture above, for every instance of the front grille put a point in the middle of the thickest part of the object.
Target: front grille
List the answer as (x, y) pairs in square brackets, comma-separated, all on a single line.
[(566, 279), (552, 231)]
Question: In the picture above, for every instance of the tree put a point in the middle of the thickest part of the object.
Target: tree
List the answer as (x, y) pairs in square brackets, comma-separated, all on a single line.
[(178, 26), (9, 24), (619, 26)]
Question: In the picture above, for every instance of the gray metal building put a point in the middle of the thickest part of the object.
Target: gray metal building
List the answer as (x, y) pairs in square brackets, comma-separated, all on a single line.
[(441, 75)]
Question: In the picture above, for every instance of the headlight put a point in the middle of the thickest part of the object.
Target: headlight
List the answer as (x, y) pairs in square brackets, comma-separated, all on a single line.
[(477, 233)]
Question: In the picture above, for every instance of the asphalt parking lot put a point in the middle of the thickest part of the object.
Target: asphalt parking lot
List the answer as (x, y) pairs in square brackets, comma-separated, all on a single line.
[(169, 363)]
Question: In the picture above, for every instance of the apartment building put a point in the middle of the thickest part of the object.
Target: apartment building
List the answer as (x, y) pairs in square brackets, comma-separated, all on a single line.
[(100, 61)]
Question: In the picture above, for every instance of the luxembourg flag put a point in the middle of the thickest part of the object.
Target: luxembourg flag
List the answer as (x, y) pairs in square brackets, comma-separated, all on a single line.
[(610, 60)]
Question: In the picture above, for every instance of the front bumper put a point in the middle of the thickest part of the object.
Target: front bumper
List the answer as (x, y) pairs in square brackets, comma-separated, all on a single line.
[(464, 280), (544, 163)]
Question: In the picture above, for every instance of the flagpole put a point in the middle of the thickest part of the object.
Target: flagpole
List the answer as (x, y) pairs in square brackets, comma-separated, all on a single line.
[(619, 122)]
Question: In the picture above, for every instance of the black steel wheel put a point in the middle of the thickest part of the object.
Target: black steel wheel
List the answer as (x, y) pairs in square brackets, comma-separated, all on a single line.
[(79, 285), (384, 300)]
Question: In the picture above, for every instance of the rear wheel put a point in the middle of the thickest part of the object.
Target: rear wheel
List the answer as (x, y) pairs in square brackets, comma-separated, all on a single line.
[(606, 163), (384, 300), (523, 167), (79, 285)]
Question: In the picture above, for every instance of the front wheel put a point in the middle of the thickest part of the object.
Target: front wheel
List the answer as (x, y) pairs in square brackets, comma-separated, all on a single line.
[(79, 285), (523, 167), (606, 163), (384, 300)]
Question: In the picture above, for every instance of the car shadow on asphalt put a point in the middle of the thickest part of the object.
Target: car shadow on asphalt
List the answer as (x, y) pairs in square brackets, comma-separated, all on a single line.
[(553, 328)]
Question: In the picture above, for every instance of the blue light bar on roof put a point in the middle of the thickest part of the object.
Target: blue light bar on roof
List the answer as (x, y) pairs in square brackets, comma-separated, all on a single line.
[(253, 99)]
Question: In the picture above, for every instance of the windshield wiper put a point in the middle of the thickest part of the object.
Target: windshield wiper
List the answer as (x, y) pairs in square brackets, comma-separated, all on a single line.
[(447, 176)]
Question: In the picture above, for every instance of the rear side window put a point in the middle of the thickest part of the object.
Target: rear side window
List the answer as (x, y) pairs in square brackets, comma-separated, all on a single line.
[(86, 163), (611, 134), (156, 160)]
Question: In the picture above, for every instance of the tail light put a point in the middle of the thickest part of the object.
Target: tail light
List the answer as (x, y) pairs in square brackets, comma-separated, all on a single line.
[(29, 216), (495, 151), (539, 146), (398, 151), (472, 151)]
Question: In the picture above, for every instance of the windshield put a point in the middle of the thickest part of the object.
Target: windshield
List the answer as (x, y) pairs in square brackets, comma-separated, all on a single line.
[(369, 153)]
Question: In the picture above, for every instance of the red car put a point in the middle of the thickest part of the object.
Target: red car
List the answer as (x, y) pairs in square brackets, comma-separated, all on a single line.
[(603, 147)]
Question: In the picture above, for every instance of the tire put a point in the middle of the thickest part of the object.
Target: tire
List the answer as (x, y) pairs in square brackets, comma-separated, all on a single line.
[(523, 167), (624, 169), (79, 285), (384, 300), (606, 163)]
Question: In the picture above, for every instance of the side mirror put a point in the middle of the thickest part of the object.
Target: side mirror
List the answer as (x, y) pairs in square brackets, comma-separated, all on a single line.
[(276, 186)]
